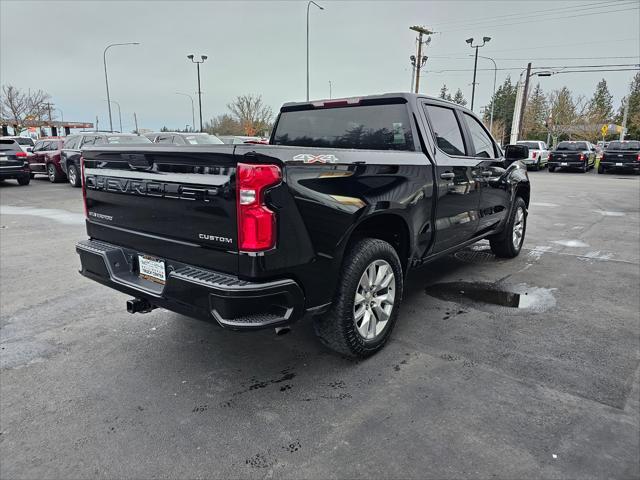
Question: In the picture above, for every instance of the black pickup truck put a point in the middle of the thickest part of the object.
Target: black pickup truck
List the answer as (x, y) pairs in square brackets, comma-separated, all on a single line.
[(325, 220), (621, 156), (573, 154)]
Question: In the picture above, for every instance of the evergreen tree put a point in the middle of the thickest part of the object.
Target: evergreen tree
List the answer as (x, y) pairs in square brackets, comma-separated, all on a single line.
[(633, 116), (459, 98), (563, 113), (535, 115), (600, 108), (503, 103), (444, 93)]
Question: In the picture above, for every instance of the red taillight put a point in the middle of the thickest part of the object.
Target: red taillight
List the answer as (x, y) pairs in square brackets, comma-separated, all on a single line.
[(256, 222), (21, 154), (602, 157), (84, 189), (638, 159), (550, 157), (534, 155), (582, 157)]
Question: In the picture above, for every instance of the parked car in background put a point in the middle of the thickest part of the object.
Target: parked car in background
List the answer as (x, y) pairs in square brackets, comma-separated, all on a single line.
[(74, 144), (13, 161), (46, 158), (26, 143), (573, 154), (621, 155), (238, 139), (182, 138), (538, 154)]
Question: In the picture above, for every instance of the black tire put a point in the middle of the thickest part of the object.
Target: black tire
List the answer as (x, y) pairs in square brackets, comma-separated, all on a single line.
[(585, 168), (337, 328), (601, 169), (502, 244), (52, 172), (552, 169), (74, 176), (32, 175), (535, 167), (24, 180)]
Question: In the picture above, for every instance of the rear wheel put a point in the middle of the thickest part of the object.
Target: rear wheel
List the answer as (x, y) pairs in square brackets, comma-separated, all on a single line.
[(585, 167), (73, 176), (52, 172), (601, 169), (508, 243), (24, 180), (367, 299), (552, 168)]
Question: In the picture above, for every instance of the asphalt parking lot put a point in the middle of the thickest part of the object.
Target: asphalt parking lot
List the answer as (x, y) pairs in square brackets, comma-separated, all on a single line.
[(465, 388)]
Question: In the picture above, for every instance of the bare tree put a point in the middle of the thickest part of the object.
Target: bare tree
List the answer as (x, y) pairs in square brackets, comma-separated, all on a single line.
[(18, 107), (252, 114)]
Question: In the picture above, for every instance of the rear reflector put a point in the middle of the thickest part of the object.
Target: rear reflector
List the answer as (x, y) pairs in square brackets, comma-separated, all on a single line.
[(256, 222), (21, 154), (535, 154)]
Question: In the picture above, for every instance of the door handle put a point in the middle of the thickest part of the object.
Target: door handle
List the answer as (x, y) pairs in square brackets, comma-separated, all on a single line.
[(486, 173), (447, 175)]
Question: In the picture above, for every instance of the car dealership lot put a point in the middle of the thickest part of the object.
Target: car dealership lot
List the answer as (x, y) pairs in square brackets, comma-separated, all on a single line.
[(464, 388)]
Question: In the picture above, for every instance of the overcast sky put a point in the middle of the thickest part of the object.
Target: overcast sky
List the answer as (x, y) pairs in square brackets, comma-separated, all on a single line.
[(259, 47)]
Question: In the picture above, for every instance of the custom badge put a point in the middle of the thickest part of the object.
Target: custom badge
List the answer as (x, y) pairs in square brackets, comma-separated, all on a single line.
[(309, 158)]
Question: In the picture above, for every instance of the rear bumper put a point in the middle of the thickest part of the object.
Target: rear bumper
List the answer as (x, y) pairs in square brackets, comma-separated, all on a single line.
[(196, 292), (568, 164), (631, 166), (14, 172)]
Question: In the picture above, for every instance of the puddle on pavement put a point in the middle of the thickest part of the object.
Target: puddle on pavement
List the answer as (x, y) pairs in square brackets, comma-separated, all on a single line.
[(491, 294)]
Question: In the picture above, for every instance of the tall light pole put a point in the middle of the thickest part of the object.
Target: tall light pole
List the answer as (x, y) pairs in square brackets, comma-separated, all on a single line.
[(321, 8), (329, 89), (119, 113), (193, 115), (521, 100), (475, 65), (419, 60), (495, 73), (106, 78), (198, 62)]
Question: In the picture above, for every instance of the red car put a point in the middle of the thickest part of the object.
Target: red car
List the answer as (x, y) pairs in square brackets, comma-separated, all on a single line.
[(46, 158)]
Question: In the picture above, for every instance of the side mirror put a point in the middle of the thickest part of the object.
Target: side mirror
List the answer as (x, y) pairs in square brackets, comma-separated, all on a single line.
[(513, 153)]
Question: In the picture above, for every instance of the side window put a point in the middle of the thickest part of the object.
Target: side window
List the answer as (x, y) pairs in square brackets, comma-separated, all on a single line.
[(164, 139), (178, 140), (446, 129), (39, 146), (482, 143), (71, 142), (88, 141)]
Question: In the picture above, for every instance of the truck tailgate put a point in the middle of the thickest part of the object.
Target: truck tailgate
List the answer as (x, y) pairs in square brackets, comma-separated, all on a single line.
[(165, 201)]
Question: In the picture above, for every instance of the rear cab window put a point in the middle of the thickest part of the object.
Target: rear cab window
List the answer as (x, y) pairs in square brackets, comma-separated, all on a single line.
[(629, 145), (366, 127), (572, 146), (9, 145)]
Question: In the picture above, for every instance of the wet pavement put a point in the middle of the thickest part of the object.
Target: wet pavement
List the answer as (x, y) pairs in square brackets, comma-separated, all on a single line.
[(497, 368)]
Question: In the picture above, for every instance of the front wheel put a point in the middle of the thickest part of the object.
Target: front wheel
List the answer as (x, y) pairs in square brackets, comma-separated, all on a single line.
[(53, 174), (73, 176), (367, 299), (508, 243)]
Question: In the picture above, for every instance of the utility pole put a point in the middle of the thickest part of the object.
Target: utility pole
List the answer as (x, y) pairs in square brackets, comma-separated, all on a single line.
[(523, 106), (329, 89), (624, 118), (420, 60), (96, 123), (475, 65), (135, 120)]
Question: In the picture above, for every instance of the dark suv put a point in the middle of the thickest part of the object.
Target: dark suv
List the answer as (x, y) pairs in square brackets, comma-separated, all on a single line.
[(13, 162), (46, 158), (73, 146)]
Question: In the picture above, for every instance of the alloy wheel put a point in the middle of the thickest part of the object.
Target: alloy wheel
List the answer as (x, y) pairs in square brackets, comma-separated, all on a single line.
[(374, 299)]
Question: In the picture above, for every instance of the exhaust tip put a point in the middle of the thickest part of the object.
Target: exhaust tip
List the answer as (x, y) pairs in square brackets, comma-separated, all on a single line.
[(139, 305), (282, 330)]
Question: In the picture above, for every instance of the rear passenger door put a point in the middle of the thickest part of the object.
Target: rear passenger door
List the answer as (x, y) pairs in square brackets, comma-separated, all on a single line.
[(458, 189), (494, 196)]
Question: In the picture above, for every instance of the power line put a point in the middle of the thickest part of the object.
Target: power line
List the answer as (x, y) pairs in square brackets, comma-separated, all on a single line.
[(564, 67), (606, 12), (573, 8)]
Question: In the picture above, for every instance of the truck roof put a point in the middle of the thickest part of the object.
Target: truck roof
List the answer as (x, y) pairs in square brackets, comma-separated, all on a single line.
[(406, 96)]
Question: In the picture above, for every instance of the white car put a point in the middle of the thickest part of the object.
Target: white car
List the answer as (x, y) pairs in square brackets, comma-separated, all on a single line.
[(538, 154), (26, 143)]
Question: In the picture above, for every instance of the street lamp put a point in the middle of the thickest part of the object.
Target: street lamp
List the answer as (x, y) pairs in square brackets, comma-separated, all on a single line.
[(495, 73), (193, 115), (106, 78), (198, 62), (475, 65), (321, 8)]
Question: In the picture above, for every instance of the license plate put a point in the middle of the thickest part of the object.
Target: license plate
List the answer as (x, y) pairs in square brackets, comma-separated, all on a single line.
[(3, 159), (618, 164), (563, 164), (152, 269)]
